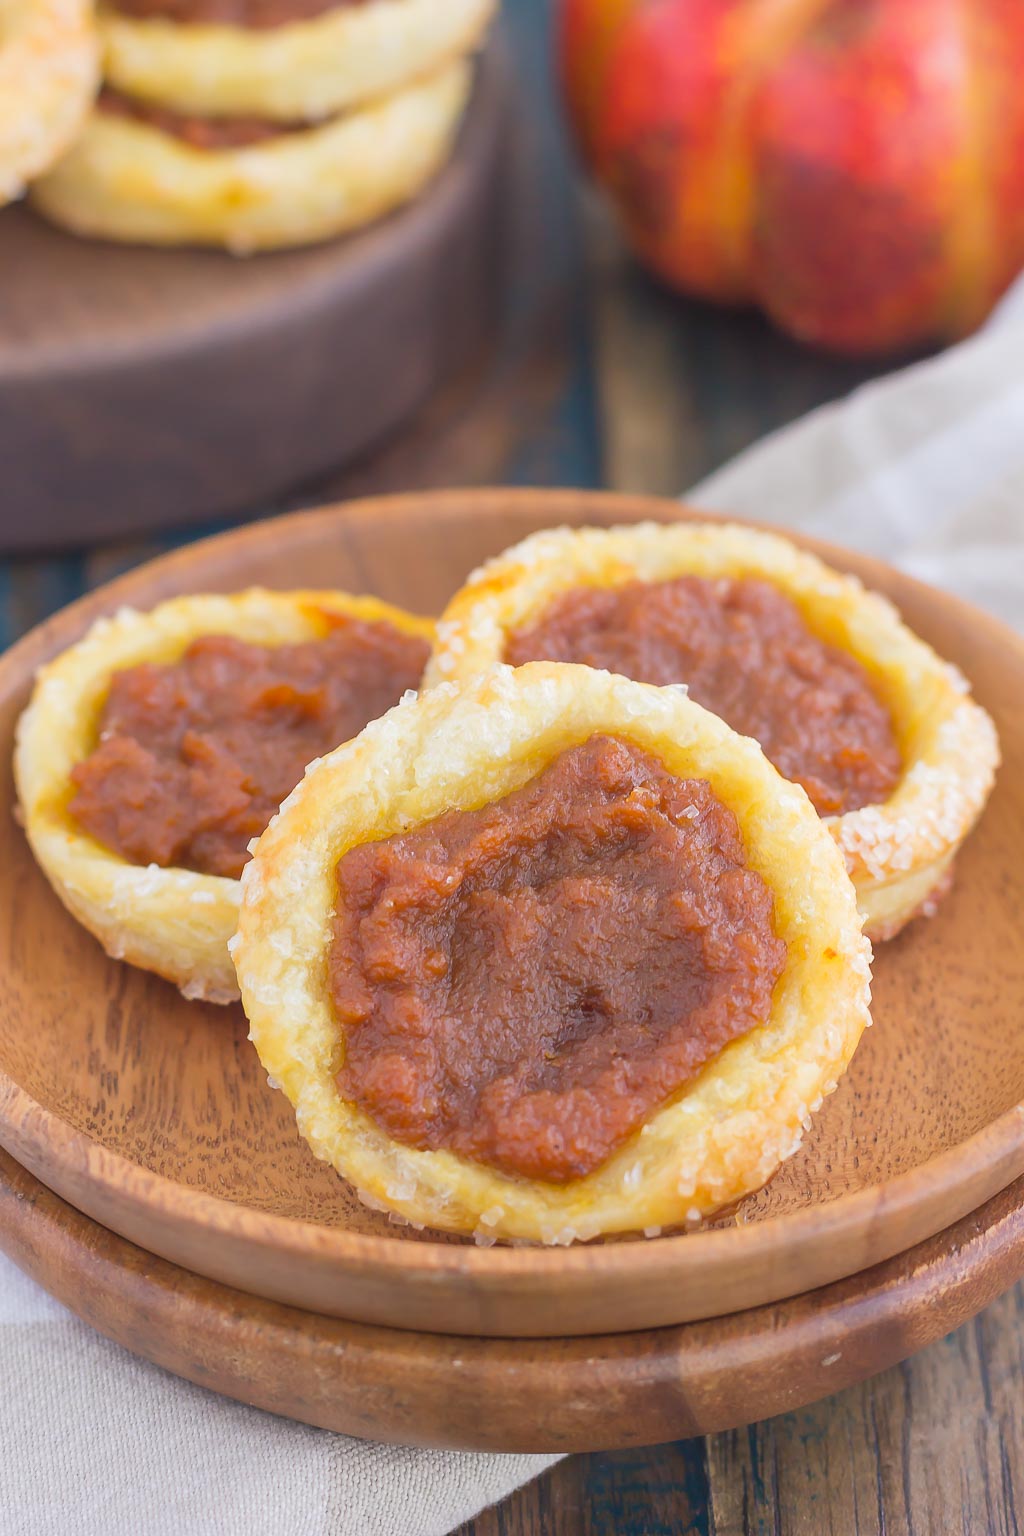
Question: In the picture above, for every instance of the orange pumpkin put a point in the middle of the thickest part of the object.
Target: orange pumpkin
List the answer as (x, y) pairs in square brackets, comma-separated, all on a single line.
[(855, 167)]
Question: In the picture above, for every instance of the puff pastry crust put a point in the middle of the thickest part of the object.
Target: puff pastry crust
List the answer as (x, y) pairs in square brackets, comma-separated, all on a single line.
[(899, 853), (171, 921), (127, 180), (462, 746), (296, 73), (49, 71)]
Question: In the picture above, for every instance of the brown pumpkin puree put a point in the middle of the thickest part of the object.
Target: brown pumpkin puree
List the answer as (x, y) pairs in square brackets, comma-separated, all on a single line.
[(746, 653), (525, 983), (208, 133), (257, 14), (194, 758)]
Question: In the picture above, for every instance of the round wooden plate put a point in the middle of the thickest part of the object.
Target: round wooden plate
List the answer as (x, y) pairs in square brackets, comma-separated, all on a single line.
[(152, 1115), (549, 1395), (142, 388)]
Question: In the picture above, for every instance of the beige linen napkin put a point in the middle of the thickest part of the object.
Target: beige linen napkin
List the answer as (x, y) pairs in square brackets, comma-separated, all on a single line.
[(925, 468), (94, 1442)]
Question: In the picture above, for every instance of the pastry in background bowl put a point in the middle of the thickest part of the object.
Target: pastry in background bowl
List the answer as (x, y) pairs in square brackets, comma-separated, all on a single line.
[(49, 70), (159, 176), (845, 700), (158, 747), (281, 60), (549, 954)]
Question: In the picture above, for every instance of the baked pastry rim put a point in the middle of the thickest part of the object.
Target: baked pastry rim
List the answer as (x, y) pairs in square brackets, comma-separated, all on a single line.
[(898, 852), (466, 746), (174, 922), (301, 71), (128, 180), (49, 71)]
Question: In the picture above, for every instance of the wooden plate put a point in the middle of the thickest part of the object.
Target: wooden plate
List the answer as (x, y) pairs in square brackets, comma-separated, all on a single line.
[(151, 1114), (588, 1394), (141, 388)]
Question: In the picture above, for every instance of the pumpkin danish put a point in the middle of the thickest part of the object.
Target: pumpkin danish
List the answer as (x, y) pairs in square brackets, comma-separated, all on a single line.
[(163, 176), (550, 954), (158, 747), (283, 60), (842, 696)]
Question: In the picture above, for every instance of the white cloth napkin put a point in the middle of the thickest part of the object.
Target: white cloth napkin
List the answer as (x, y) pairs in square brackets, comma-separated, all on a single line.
[(925, 468)]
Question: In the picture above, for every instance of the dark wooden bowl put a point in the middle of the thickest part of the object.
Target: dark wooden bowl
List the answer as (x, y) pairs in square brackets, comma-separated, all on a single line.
[(152, 1115), (142, 389)]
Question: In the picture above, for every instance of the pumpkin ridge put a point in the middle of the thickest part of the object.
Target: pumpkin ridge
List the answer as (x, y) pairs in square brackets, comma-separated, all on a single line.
[(771, 27), (587, 38), (970, 236)]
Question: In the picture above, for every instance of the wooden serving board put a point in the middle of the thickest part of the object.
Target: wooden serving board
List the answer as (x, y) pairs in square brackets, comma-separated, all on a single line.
[(152, 1115), (512, 1394), (144, 388)]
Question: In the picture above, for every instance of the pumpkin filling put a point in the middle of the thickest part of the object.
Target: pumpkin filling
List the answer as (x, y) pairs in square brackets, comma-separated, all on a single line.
[(259, 15), (524, 984), (745, 653), (195, 757), (209, 133)]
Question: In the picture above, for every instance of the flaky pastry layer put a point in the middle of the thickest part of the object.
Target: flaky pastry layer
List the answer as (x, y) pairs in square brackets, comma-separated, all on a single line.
[(899, 853), (296, 73), (126, 180), (49, 72), (171, 921), (461, 747)]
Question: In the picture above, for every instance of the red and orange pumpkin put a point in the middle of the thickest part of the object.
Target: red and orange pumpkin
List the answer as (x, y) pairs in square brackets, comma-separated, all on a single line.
[(855, 167)]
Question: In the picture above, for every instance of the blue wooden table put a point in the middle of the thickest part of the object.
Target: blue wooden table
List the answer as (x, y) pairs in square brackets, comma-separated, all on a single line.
[(600, 378)]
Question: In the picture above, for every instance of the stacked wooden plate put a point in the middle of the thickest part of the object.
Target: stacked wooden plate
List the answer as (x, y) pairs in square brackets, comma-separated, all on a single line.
[(156, 1185)]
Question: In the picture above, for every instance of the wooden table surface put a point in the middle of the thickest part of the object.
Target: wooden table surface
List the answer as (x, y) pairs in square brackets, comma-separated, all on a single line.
[(625, 386)]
